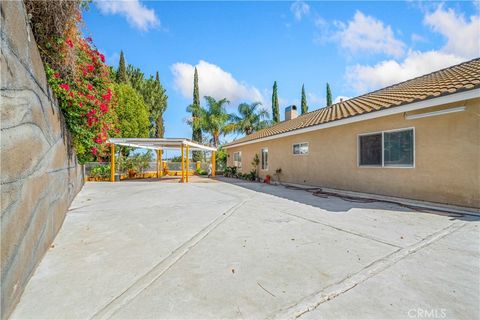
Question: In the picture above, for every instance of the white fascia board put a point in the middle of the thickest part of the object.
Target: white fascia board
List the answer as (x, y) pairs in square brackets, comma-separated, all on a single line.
[(132, 145), (198, 146), (451, 98)]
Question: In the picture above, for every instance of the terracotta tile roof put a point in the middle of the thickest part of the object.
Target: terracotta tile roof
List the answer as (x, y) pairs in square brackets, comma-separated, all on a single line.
[(461, 77)]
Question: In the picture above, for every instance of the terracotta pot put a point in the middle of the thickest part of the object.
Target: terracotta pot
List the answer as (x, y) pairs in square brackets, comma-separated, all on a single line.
[(132, 173)]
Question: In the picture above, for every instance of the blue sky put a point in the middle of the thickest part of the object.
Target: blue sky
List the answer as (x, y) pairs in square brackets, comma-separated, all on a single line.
[(240, 48)]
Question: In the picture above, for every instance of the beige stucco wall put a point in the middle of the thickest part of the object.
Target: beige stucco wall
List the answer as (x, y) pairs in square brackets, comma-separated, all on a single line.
[(447, 158), (39, 172)]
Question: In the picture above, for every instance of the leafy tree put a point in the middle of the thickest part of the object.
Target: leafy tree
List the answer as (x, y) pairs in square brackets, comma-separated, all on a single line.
[(213, 119), (132, 112), (121, 72), (329, 95), (154, 96), (250, 118), (304, 101), (196, 131), (135, 78), (275, 107)]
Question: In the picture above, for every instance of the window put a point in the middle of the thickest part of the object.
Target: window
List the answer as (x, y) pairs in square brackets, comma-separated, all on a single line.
[(398, 148), (387, 149), (371, 150), (300, 148), (264, 159), (237, 159)]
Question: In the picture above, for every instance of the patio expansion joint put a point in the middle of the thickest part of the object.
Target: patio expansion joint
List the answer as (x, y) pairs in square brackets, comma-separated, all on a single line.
[(330, 292), (163, 266), (343, 230)]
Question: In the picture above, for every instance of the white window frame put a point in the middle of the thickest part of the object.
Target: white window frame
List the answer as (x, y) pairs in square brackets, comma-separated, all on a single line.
[(261, 159), (236, 163), (412, 166), (300, 143)]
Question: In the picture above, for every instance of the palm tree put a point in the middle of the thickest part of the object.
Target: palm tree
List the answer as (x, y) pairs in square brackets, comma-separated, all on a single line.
[(213, 119), (250, 119)]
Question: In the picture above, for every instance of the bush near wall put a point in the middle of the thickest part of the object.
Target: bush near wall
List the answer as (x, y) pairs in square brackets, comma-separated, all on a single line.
[(77, 73)]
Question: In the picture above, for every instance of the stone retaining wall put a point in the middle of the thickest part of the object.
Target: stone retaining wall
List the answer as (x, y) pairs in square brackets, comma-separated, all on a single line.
[(39, 172)]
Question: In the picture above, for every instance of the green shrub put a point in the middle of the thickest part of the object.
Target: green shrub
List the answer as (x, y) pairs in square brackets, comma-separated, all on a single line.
[(230, 172), (201, 172), (100, 171)]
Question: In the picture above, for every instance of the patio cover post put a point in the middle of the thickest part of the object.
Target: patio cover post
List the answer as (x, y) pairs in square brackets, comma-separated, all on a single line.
[(183, 166), (213, 163), (159, 163), (188, 164), (112, 162)]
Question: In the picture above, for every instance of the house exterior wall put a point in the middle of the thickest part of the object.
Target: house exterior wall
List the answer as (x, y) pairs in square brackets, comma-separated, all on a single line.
[(447, 157)]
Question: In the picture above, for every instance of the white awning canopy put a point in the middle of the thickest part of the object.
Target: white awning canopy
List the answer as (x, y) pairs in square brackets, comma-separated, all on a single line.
[(160, 143)]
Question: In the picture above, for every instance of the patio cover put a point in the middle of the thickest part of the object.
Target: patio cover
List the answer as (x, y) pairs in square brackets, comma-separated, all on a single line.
[(159, 144)]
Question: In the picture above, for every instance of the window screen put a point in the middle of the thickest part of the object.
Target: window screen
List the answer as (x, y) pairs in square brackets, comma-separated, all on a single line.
[(300, 148), (398, 148), (237, 159), (264, 159), (370, 150)]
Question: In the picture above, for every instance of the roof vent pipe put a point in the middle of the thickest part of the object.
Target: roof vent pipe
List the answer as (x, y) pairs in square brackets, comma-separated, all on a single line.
[(290, 112)]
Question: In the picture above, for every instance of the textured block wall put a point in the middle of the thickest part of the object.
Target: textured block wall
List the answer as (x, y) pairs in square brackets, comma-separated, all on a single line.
[(39, 174)]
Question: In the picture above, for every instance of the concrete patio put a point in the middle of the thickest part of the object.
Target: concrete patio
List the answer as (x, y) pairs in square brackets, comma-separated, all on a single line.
[(231, 249)]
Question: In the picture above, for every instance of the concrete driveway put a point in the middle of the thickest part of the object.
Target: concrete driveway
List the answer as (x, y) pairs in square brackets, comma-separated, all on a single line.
[(248, 250)]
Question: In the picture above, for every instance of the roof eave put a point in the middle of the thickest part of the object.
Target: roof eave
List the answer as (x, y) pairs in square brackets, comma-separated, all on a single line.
[(451, 98)]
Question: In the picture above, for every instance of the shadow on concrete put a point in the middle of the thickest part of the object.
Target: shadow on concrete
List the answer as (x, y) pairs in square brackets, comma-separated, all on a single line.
[(342, 204)]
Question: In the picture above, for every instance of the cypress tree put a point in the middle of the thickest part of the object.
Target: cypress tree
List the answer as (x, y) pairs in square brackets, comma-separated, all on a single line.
[(122, 71), (304, 101), (196, 131), (329, 96), (160, 127), (275, 107)]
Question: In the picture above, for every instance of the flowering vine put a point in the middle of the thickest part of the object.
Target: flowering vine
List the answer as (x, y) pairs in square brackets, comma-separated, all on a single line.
[(85, 99)]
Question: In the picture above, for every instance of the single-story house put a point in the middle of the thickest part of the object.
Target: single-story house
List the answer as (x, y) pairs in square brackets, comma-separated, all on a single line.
[(418, 139)]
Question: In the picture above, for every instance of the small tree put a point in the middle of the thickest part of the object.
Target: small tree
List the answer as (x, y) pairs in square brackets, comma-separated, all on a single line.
[(122, 71), (329, 96), (255, 163), (304, 101), (196, 130), (275, 106)]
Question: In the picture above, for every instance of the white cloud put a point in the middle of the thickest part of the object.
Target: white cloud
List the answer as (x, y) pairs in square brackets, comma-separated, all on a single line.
[(314, 98), (212, 81), (137, 14), (113, 59), (384, 73), (299, 9), (462, 35), (462, 44), (367, 34), (417, 38)]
